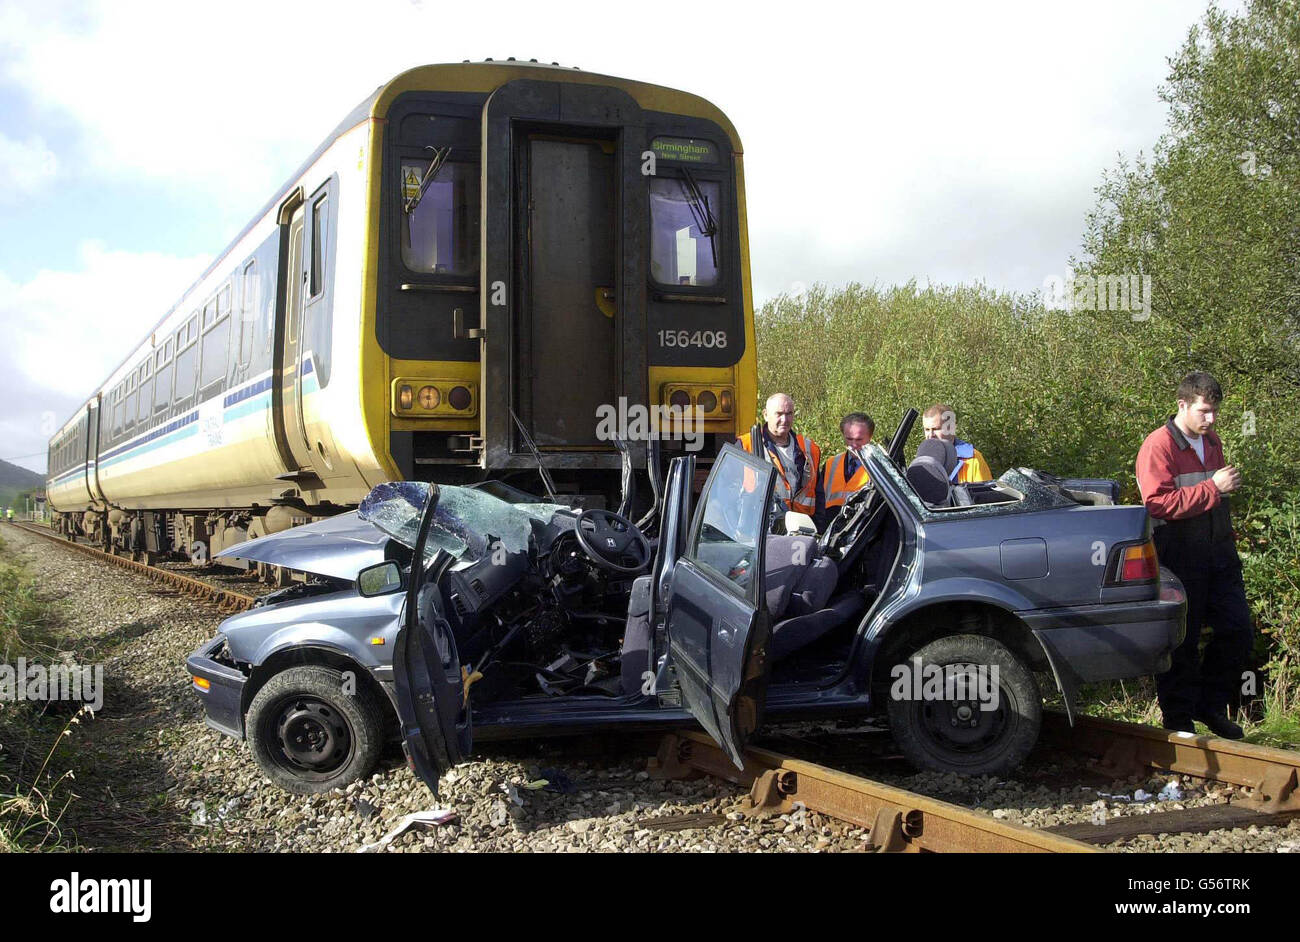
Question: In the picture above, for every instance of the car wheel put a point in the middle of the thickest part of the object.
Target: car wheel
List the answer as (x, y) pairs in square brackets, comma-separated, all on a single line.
[(310, 734), (969, 706)]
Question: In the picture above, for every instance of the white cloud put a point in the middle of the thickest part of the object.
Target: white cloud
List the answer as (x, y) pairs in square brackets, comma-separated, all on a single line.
[(866, 127), (68, 330), (25, 167)]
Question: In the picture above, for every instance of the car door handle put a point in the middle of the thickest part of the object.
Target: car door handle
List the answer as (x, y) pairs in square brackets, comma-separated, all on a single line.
[(727, 633)]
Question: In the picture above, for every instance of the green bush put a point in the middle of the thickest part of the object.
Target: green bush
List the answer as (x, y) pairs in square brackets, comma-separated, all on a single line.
[(1074, 394)]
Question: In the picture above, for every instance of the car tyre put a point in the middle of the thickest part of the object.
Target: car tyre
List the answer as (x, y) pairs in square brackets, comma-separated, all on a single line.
[(309, 734), (947, 735)]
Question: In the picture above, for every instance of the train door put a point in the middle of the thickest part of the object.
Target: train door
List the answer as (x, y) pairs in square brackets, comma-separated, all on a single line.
[(563, 303), (92, 451), (568, 342), (289, 362)]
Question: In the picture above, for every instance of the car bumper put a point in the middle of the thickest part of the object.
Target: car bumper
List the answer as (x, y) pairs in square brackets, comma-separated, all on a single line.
[(224, 691), (1113, 641)]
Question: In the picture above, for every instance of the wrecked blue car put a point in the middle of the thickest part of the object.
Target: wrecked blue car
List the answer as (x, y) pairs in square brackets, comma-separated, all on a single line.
[(436, 615)]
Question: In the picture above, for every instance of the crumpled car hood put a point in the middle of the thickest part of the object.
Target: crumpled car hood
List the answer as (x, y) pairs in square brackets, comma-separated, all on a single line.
[(339, 547)]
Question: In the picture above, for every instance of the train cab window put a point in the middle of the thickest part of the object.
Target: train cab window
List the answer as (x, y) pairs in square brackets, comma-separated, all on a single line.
[(684, 213), (440, 217)]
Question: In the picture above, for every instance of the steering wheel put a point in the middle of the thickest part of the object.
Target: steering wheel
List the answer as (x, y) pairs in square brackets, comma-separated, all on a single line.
[(610, 539)]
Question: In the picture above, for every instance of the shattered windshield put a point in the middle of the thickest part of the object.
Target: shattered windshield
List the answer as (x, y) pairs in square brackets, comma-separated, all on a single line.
[(467, 523)]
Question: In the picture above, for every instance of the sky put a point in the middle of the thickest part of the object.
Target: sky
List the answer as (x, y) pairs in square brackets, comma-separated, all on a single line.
[(942, 142)]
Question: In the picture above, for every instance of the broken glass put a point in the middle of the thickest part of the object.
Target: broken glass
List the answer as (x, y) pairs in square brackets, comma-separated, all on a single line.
[(467, 523)]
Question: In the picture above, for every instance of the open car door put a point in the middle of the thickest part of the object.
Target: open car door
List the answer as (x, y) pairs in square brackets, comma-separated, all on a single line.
[(432, 698), (717, 620)]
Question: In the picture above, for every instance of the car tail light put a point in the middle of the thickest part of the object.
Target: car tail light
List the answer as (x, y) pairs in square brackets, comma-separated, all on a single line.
[(1138, 563)]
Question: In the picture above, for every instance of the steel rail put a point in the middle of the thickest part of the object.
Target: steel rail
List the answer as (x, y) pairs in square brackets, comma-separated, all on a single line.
[(1124, 748), (227, 602), (898, 820)]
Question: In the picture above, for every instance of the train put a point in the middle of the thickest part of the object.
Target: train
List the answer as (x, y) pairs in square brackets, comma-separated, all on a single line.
[(474, 263)]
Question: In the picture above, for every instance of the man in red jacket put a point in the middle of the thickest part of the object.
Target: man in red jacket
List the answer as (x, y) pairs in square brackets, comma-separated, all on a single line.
[(1185, 486)]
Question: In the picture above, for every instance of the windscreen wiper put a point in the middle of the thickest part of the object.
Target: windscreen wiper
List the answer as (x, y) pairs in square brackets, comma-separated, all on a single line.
[(440, 156), (705, 221)]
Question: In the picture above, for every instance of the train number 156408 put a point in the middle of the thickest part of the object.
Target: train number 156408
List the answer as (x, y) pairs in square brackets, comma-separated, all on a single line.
[(709, 339)]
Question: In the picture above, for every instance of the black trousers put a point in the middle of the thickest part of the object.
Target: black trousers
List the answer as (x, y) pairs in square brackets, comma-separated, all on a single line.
[(1216, 596)]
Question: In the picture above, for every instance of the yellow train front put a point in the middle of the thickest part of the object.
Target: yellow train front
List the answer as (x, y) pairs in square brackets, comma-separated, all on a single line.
[(477, 249)]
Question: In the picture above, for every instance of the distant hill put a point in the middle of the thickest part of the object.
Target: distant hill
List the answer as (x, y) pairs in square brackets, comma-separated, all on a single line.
[(14, 481)]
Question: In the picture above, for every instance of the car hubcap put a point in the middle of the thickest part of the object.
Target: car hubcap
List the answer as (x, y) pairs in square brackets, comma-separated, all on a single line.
[(962, 725), (313, 735)]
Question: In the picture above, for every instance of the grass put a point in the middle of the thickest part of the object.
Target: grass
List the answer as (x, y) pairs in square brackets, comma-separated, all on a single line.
[(30, 814), (33, 806), (1134, 701)]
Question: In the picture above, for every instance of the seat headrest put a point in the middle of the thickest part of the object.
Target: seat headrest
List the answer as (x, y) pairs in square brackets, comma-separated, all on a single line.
[(941, 450), (930, 479)]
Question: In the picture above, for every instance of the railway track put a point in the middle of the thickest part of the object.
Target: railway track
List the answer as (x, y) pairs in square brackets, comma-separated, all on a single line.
[(227, 600), (903, 821)]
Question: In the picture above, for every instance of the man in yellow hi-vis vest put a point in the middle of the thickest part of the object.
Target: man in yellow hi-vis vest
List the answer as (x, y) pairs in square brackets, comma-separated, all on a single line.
[(941, 422), (797, 458), (844, 474)]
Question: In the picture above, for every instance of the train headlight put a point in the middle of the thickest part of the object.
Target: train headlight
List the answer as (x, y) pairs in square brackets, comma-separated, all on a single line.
[(714, 404), (433, 397)]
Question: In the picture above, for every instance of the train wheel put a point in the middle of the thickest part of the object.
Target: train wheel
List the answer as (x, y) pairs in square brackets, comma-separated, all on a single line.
[(310, 734)]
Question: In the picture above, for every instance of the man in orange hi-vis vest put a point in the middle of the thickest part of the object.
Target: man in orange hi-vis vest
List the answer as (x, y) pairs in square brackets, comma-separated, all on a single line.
[(844, 475), (940, 421), (797, 457)]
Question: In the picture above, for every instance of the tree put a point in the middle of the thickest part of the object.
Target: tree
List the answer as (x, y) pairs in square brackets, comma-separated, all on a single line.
[(1213, 217)]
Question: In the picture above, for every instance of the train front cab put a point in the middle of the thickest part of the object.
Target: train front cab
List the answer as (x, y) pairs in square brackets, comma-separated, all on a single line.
[(565, 247)]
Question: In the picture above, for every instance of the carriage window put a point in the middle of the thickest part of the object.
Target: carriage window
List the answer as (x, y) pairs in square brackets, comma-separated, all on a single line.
[(162, 391), (248, 313), (146, 400), (319, 220), (684, 215), (187, 355), (216, 340), (440, 221)]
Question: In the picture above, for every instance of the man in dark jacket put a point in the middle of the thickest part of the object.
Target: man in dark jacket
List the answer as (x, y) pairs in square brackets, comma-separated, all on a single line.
[(1185, 485)]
